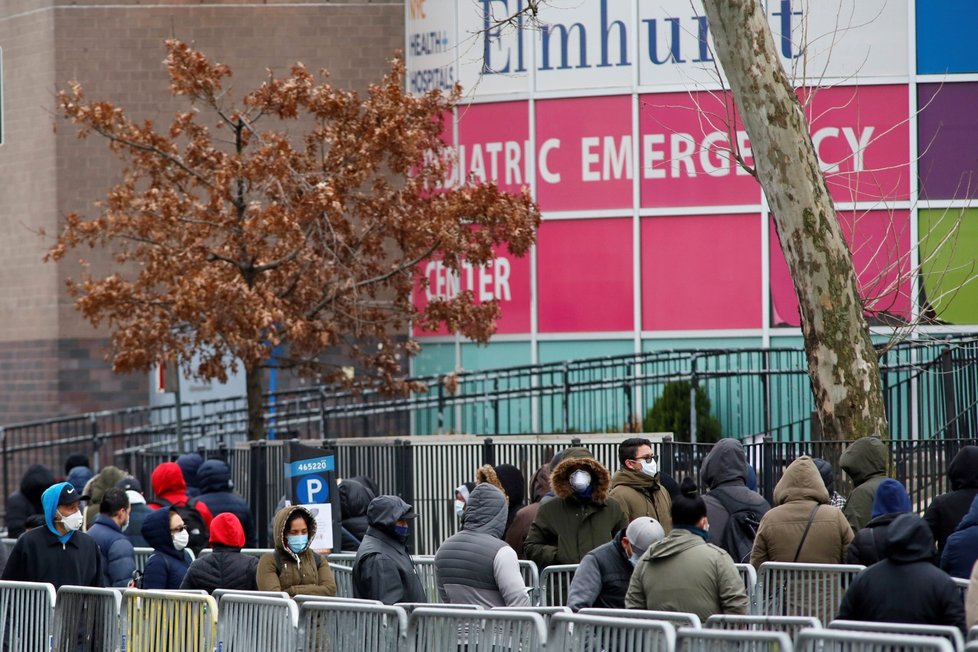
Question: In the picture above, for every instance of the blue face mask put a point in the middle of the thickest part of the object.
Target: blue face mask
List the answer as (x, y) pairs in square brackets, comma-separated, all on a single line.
[(401, 531), (298, 542)]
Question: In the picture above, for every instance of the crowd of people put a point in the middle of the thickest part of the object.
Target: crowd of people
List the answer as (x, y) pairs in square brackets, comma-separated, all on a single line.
[(641, 540)]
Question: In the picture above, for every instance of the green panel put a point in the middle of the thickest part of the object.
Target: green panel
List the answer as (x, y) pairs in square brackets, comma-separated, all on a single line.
[(948, 246), (685, 344), (507, 415), (434, 359), (495, 356), (560, 351)]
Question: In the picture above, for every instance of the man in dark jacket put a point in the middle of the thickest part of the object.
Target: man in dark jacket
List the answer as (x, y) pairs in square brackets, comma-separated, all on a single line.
[(27, 501), (355, 496), (118, 557), (475, 566), (867, 545), (383, 569), (946, 511), (58, 553), (602, 578), (225, 567), (724, 471), (138, 510), (961, 549), (865, 462), (214, 480), (189, 464), (905, 587)]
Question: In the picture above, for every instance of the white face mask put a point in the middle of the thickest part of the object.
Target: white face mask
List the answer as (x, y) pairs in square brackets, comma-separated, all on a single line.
[(459, 508), (650, 468), (124, 526), (181, 539), (73, 522), (580, 480)]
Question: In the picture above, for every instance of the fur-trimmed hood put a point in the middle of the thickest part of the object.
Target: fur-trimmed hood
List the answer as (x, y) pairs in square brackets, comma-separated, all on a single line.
[(487, 474), (600, 478)]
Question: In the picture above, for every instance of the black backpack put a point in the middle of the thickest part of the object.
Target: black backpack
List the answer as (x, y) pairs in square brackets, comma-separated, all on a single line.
[(738, 537), (196, 528)]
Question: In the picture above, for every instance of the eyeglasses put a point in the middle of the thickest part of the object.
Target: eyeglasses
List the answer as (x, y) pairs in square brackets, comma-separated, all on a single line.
[(179, 528), (647, 458)]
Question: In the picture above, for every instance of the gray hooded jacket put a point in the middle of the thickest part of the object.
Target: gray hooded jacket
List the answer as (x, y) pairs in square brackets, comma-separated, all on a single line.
[(383, 569), (724, 471), (476, 566)]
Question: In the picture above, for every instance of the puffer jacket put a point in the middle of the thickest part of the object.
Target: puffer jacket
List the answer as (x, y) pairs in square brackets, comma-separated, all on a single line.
[(867, 546), (167, 566), (355, 496), (782, 528), (305, 573), (383, 569), (225, 567), (682, 572), (106, 479), (475, 566), (189, 463), (865, 462), (602, 579), (946, 511), (724, 471), (641, 495), (569, 526), (118, 557), (214, 482), (26, 502), (961, 549)]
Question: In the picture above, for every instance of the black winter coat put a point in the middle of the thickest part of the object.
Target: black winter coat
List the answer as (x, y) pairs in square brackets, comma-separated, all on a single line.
[(961, 549), (214, 480), (225, 568), (27, 501), (867, 545), (905, 587), (946, 511), (383, 569), (355, 496)]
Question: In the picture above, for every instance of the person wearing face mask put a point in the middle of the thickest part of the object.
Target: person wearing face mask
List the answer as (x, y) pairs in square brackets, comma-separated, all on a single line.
[(225, 567), (165, 530), (58, 553), (683, 572), (461, 498), (118, 558), (383, 569), (579, 518), (636, 484), (602, 578), (294, 567)]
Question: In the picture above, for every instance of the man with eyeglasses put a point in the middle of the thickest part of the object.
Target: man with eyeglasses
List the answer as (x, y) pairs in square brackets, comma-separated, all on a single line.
[(636, 485)]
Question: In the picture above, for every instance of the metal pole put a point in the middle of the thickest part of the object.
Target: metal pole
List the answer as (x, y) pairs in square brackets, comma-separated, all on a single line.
[(692, 401), (179, 405)]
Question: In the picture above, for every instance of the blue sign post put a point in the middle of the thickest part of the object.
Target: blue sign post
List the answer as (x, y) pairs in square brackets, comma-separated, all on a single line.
[(312, 478)]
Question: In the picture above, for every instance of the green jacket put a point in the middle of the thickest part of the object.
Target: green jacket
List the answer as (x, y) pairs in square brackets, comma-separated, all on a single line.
[(685, 573), (865, 462), (641, 495), (568, 527), (283, 570)]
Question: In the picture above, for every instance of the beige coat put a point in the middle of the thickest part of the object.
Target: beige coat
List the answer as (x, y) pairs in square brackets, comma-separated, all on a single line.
[(301, 574), (641, 495), (781, 529)]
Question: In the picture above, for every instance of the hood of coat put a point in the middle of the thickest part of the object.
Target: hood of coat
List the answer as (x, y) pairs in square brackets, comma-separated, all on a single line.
[(226, 530), (189, 463), (486, 511), (384, 511), (963, 471), (213, 476), (280, 524), (49, 502), (726, 463), (864, 459), (801, 481), (513, 482), (355, 496), (971, 518), (600, 478), (106, 479), (827, 473), (677, 541), (36, 479), (156, 531), (908, 539), (890, 498), (79, 477), (167, 480)]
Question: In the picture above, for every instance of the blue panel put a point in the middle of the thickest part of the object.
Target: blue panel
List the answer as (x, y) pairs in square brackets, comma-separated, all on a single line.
[(946, 36)]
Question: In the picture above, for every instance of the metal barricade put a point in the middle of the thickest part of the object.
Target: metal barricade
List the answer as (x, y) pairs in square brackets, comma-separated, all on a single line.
[(8, 545), (333, 626), (973, 634), (555, 584), (251, 623), (168, 621), (676, 618), (436, 629), (141, 556), (952, 634), (579, 633), (86, 618), (749, 575), (545, 612), (26, 616), (220, 593), (962, 584), (411, 606), (790, 625), (531, 577), (972, 645), (344, 580), (425, 568), (722, 640), (303, 599), (830, 640), (342, 558), (787, 589)]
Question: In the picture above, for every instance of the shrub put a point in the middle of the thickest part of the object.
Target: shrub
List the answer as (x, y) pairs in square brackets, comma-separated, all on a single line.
[(670, 413)]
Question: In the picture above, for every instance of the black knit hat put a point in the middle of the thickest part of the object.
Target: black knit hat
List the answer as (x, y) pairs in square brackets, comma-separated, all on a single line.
[(688, 507)]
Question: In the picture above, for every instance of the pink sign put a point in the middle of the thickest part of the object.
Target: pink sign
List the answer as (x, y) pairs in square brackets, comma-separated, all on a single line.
[(861, 136), (701, 272), (584, 153), (586, 280), (506, 278), (880, 245), (686, 152), (494, 144)]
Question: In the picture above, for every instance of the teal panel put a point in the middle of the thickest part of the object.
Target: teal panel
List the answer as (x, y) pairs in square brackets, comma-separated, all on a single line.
[(574, 350), (683, 344), (495, 356), (434, 359), (507, 415)]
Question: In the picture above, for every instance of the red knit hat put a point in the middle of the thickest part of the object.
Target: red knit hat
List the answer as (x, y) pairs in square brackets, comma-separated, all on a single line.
[(226, 530)]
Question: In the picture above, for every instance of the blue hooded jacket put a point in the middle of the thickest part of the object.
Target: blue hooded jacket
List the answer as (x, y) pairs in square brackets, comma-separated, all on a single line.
[(167, 566), (890, 498), (214, 480), (189, 463), (961, 549)]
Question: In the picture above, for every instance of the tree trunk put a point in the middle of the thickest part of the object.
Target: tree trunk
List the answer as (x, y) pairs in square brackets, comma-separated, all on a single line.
[(842, 362), (256, 417)]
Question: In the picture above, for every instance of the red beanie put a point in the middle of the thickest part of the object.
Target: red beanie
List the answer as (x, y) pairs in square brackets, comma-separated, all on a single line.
[(226, 530)]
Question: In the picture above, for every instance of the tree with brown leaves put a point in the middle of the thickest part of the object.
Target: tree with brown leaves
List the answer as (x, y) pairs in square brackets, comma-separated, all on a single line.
[(237, 237)]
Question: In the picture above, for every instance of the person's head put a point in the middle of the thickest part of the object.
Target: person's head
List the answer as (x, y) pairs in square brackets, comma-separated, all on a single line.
[(462, 497), (828, 475), (689, 508), (391, 515), (635, 454), (178, 530), (75, 459), (115, 505), (226, 530), (62, 508), (890, 498), (640, 535), (298, 529)]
